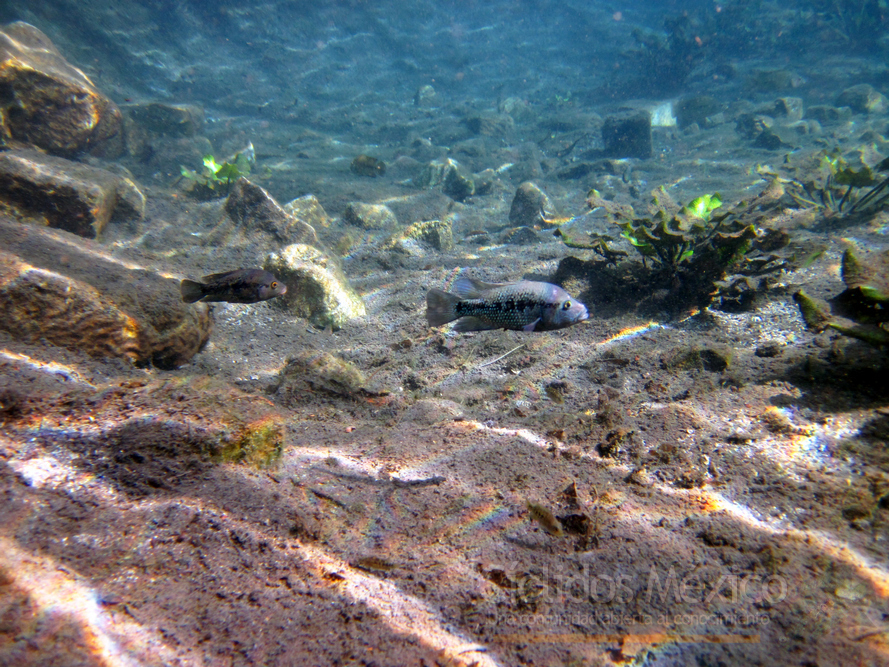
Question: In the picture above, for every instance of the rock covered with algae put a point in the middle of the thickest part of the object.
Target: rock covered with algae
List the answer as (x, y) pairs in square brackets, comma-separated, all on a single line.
[(422, 237), (316, 286)]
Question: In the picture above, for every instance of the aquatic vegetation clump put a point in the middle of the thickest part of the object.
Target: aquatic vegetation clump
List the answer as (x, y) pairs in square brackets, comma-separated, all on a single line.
[(695, 243), (214, 179), (686, 251), (862, 309), (689, 238), (856, 24), (833, 185)]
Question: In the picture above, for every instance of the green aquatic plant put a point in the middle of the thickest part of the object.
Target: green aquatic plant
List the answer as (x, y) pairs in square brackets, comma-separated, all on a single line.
[(830, 184), (214, 179), (703, 206), (680, 239), (686, 251), (862, 309), (559, 100)]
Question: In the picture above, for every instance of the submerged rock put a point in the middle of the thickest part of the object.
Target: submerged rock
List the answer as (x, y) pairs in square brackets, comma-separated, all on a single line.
[(162, 135), (49, 103), (316, 287), (696, 110), (369, 216), (253, 210), (458, 186), (56, 192), (627, 134), (171, 120), (70, 293), (433, 173), (365, 165), (308, 210), (789, 109), (320, 371), (426, 97), (828, 114), (863, 98), (422, 237), (449, 176), (530, 206)]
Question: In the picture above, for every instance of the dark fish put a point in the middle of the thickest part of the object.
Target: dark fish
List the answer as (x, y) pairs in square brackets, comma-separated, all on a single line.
[(365, 165), (241, 286), (523, 305)]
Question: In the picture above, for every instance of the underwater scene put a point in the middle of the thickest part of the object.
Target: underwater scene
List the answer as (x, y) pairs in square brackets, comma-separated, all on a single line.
[(444, 334)]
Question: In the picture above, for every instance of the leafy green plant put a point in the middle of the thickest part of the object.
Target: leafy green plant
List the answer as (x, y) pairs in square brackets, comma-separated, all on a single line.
[(216, 179), (684, 238), (685, 250), (862, 309)]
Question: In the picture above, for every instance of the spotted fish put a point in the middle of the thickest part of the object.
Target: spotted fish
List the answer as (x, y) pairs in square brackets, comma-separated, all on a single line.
[(240, 286), (522, 306)]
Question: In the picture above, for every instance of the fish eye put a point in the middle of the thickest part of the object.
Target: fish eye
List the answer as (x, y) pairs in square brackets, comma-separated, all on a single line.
[(274, 284), (566, 305)]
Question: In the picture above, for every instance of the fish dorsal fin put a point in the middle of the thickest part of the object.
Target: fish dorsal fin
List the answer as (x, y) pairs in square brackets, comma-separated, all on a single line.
[(470, 288), (215, 276)]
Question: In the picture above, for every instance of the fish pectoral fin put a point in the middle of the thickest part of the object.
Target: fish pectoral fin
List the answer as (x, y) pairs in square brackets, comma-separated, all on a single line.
[(530, 327)]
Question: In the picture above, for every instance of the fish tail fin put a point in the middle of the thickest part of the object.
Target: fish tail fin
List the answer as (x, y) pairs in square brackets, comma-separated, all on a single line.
[(440, 307), (191, 291)]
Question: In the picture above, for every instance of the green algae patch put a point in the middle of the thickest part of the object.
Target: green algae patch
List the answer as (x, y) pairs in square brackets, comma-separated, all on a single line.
[(235, 426), (259, 444)]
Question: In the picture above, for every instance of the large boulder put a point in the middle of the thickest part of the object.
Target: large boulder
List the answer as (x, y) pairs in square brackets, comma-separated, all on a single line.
[(69, 292), (49, 103), (56, 192)]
